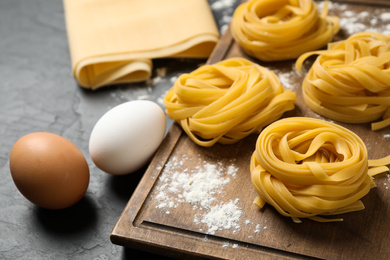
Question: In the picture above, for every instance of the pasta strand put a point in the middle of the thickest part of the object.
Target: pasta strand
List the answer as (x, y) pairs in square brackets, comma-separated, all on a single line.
[(350, 81), (273, 30), (308, 168), (227, 101)]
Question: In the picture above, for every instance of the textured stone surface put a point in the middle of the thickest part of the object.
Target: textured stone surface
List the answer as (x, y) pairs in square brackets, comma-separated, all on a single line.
[(38, 93)]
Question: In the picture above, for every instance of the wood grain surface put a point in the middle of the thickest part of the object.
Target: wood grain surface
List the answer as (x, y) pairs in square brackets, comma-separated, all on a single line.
[(260, 233)]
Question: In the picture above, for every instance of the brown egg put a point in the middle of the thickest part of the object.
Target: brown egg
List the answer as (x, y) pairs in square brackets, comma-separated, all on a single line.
[(49, 170)]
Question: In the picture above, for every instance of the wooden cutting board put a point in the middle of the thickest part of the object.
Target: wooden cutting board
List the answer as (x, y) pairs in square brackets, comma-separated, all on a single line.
[(163, 218)]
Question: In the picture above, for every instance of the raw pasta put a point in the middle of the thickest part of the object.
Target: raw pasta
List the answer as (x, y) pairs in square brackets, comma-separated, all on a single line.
[(227, 101), (114, 42), (307, 167), (350, 81), (272, 30)]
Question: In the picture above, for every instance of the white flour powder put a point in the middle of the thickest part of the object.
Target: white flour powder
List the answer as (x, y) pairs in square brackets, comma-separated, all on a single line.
[(288, 78), (199, 186), (222, 4), (221, 216), (225, 7), (352, 21)]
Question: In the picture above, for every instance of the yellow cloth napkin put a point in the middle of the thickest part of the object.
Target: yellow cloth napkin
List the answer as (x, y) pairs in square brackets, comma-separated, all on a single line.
[(113, 41)]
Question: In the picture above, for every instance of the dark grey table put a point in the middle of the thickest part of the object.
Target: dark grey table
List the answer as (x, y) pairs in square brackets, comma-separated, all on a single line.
[(39, 93)]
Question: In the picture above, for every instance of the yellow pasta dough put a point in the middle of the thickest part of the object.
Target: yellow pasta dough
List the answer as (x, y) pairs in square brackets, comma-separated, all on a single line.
[(227, 101), (114, 41), (307, 167), (350, 81), (272, 30)]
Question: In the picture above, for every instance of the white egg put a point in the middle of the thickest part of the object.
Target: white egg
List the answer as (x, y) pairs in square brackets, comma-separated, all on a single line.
[(126, 137)]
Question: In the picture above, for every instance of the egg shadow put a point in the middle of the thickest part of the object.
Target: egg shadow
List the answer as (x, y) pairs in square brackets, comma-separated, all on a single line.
[(79, 218), (123, 186)]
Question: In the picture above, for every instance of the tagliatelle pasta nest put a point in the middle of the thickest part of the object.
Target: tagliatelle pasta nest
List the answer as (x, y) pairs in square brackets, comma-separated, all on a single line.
[(350, 81), (227, 101), (273, 30), (307, 167)]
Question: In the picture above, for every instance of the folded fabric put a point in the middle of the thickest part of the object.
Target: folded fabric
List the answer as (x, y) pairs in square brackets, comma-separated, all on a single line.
[(113, 41)]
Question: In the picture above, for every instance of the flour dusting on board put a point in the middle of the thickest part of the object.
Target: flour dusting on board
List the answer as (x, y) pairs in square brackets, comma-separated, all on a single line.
[(202, 187), (352, 21), (221, 216)]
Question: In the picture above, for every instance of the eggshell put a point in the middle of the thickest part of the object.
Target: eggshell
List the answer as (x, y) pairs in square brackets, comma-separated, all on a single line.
[(49, 170), (125, 138)]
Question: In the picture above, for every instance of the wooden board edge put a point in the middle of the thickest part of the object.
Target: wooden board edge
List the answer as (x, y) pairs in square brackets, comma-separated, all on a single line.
[(134, 205), (178, 244), (222, 48)]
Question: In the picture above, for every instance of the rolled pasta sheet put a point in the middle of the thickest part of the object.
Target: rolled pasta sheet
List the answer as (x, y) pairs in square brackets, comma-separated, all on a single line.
[(350, 81), (306, 168), (227, 101), (273, 30)]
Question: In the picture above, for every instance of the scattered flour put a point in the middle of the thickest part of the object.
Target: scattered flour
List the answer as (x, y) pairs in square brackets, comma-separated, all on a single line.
[(222, 216), (140, 92), (222, 4), (143, 97), (259, 228), (385, 17), (173, 79), (227, 244), (288, 78), (202, 187), (154, 81), (226, 8), (352, 21)]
